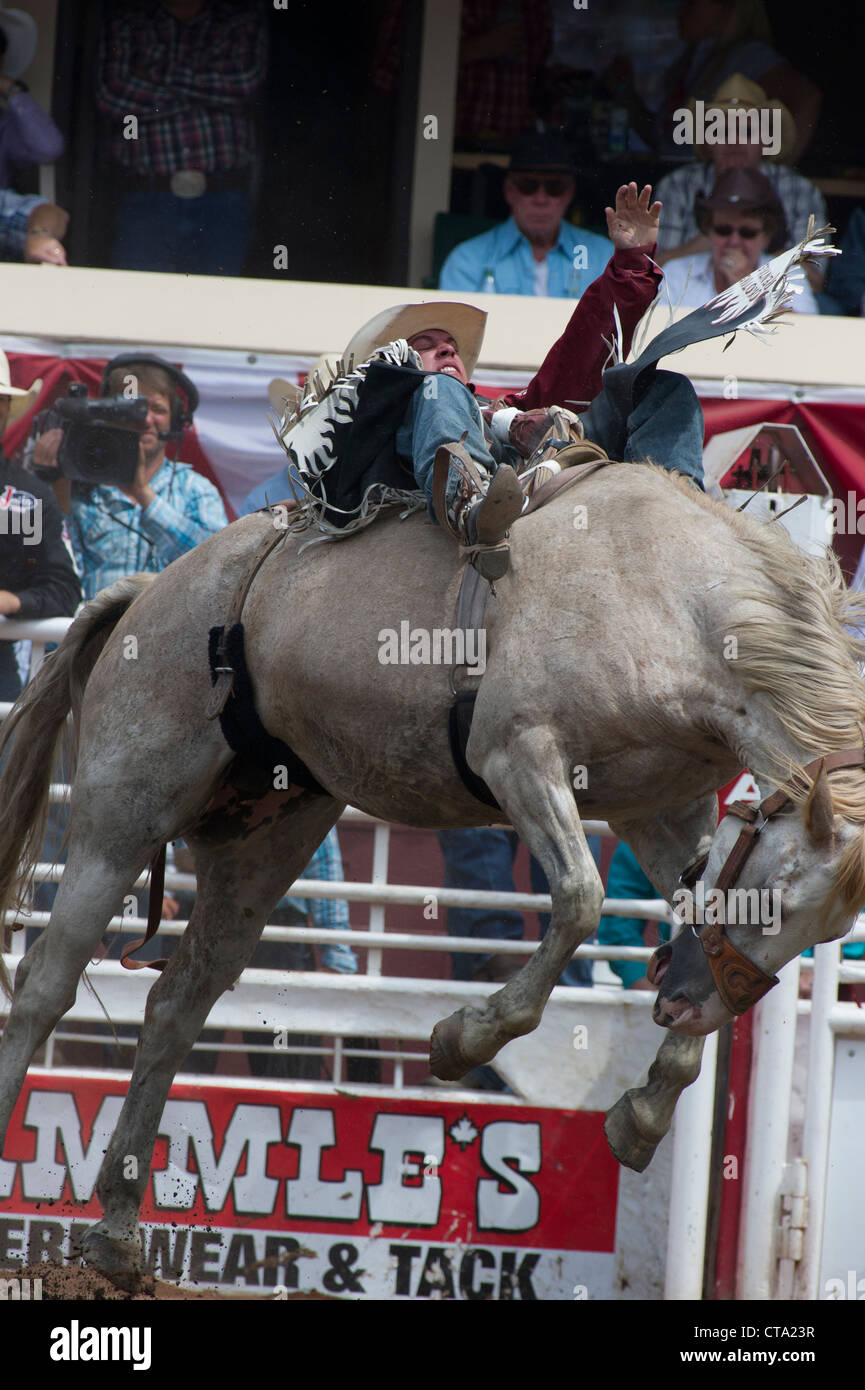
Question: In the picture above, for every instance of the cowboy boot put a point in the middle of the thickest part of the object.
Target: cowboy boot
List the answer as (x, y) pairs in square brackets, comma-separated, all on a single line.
[(484, 523), (480, 523)]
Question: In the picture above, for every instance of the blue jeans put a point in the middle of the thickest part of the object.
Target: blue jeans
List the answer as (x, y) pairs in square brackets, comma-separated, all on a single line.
[(483, 860), (442, 410), (185, 236), (665, 426)]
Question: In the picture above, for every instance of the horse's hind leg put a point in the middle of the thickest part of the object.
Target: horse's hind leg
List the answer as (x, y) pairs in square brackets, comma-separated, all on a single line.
[(46, 982), (526, 776), (239, 882)]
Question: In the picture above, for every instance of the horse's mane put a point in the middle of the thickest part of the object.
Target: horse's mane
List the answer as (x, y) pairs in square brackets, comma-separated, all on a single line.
[(797, 654)]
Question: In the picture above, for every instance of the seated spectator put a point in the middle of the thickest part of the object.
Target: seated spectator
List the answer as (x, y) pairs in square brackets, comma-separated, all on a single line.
[(723, 37), (743, 218), (31, 229), (678, 191), (184, 184), (729, 36), (27, 134), (536, 251), (37, 576), (168, 508), (627, 880)]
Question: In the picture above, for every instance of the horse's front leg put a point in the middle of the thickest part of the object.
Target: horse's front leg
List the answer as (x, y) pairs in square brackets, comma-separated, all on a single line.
[(640, 1118), (638, 1121), (528, 778)]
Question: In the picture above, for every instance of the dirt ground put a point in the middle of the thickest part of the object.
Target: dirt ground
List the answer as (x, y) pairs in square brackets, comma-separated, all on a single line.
[(61, 1284)]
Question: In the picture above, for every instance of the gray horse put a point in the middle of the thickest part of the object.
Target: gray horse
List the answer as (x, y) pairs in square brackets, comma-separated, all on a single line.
[(646, 644)]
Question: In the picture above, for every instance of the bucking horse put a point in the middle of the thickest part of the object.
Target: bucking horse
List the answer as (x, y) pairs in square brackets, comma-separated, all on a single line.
[(657, 641)]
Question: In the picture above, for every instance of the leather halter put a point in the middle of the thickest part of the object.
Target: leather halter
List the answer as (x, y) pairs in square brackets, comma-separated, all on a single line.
[(739, 982)]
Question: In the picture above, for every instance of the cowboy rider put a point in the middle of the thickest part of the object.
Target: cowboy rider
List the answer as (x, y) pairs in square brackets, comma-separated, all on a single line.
[(664, 423)]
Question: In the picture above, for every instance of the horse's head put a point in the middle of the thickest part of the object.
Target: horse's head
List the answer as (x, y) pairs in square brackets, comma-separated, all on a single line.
[(803, 882)]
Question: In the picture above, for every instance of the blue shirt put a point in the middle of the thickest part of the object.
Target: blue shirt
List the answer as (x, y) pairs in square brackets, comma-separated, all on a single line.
[(507, 253), (112, 537)]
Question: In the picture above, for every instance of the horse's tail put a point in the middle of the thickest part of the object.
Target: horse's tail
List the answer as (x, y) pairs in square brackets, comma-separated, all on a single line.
[(31, 737)]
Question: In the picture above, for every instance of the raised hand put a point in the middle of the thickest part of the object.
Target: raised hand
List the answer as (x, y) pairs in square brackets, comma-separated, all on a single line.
[(633, 221)]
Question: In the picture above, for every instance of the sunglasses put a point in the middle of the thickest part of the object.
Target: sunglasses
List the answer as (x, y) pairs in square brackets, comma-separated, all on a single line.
[(746, 233), (527, 185)]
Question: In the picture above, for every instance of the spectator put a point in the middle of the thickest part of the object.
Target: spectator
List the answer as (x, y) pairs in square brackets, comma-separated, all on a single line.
[(168, 508), (27, 134), (627, 880), (742, 219), (37, 576), (679, 190), (535, 251), (184, 72), (31, 229), (723, 37)]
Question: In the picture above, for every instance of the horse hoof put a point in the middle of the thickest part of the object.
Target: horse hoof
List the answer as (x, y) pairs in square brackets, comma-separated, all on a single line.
[(446, 1058), (626, 1141), (118, 1260)]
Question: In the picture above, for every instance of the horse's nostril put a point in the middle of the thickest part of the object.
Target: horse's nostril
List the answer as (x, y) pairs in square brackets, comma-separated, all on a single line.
[(657, 967)]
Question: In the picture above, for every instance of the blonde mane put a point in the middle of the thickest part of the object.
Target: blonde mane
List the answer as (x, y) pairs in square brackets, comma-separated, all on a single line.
[(797, 654)]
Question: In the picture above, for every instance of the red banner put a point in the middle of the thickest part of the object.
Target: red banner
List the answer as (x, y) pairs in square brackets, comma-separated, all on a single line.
[(366, 1197)]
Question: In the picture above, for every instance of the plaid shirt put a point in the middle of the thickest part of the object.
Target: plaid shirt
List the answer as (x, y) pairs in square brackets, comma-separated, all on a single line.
[(326, 863), (112, 537), (494, 95), (15, 210), (188, 84), (678, 190)]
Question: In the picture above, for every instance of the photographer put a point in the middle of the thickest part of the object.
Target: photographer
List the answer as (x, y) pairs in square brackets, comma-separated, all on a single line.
[(163, 510), (37, 577)]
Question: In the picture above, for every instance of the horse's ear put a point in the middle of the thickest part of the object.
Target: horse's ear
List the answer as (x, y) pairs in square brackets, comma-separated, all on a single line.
[(819, 811)]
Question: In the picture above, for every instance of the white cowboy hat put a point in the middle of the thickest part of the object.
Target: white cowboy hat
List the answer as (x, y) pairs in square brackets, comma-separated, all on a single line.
[(22, 37), (464, 322), (21, 400)]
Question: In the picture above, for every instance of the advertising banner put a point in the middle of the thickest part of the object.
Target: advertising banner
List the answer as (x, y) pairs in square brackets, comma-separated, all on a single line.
[(361, 1197)]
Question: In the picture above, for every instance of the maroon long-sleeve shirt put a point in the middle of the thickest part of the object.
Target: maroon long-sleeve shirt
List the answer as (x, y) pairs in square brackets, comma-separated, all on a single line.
[(571, 370)]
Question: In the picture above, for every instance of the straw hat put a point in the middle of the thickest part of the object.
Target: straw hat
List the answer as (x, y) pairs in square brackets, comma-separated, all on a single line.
[(21, 400), (22, 37), (463, 322), (739, 91)]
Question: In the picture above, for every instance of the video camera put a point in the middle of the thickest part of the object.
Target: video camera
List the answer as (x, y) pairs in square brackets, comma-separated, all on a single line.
[(100, 437)]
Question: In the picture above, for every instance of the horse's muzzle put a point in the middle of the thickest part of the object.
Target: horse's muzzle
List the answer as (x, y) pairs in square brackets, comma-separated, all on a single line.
[(657, 967)]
